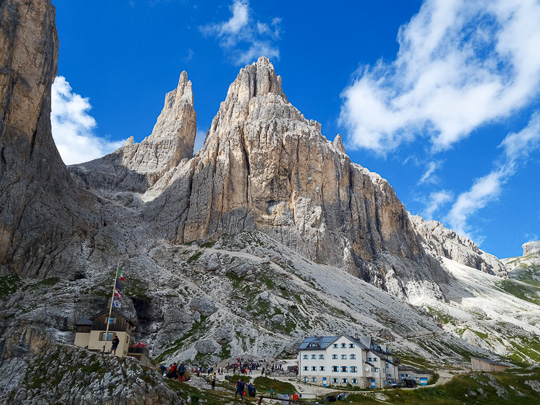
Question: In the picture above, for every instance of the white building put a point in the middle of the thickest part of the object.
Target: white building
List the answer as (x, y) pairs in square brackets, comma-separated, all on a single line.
[(344, 360)]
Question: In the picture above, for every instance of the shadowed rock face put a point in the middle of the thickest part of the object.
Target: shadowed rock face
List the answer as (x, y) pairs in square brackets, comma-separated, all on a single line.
[(40, 207), (264, 166)]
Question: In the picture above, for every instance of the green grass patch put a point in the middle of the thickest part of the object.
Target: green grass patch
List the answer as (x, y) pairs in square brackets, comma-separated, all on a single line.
[(526, 292), (481, 335), (489, 389), (48, 282), (443, 316), (9, 285), (265, 384), (225, 351), (136, 288), (195, 257)]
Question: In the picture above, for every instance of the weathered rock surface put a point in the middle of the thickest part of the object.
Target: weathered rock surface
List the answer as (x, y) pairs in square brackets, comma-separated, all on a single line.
[(289, 236), (43, 216), (135, 167), (441, 241), (264, 166), (530, 248), (70, 375)]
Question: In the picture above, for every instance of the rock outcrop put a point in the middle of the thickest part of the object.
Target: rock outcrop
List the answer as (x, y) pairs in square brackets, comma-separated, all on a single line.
[(264, 166), (441, 241), (529, 261), (136, 167), (531, 248), (70, 375), (43, 216)]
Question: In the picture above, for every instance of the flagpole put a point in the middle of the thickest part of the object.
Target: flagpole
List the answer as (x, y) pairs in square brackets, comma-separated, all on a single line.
[(110, 306)]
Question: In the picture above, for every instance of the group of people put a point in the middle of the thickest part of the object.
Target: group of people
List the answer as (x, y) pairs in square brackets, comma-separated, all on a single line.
[(248, 366), (241, 387), (175, 372)]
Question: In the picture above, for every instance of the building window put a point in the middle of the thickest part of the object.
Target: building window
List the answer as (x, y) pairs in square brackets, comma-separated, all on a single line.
[(102, 336), (376, 369), (334, 369), (354, 369), (343, 369), (343, 357), (353, 356), (321, 356), (321, 368), (313, 379), (335, 346), (344, 381), (334, 356), (313, 356), (305, 356), (305, 368), (354, 381), (334, 380), (389, 375), (351, 345), (343, 345), (313, 368), (305, 379)]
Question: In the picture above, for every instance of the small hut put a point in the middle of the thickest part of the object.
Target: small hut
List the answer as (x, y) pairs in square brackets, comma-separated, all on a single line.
[(91, 332), (479, 364)]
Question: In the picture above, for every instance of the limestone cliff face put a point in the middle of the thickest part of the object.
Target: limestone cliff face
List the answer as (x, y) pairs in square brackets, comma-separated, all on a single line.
[(40, 208), (446, 243), (135, 167), (264, 166)]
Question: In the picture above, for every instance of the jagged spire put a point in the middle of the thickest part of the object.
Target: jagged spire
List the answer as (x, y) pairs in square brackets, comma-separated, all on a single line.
[(257, 79), (338, 143)]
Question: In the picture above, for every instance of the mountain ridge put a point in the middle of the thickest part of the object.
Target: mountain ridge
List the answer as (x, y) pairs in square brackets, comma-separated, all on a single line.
[(267, 234)]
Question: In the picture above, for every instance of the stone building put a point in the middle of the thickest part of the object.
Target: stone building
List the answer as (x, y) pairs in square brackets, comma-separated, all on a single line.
[(344, 360)]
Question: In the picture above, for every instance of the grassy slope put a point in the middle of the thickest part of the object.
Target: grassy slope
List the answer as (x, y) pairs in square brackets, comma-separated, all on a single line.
[(476, 388)]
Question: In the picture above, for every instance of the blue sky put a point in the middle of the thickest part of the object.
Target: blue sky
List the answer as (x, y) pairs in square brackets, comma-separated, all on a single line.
[(440, 97)]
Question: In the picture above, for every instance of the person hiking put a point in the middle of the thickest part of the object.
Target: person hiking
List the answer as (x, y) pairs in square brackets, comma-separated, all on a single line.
[(173, 372), (181, 372), (240, 389), (213, 380), (115, 343)]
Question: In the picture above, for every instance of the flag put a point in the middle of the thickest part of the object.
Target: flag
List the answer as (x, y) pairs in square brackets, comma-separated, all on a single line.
[(119, 275), (117, 293), (118, 286), (116, 303)]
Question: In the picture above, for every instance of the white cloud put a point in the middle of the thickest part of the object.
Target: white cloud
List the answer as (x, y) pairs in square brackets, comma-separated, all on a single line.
[(72, 126), (460, 65), (428, 176), (517, 147), (436, 200), (243, 38), (481, 193)]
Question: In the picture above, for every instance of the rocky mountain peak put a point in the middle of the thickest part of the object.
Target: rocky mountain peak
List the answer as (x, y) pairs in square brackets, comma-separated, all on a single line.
[(136, 167), (338, 143), (255, 80), (444, 242)]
